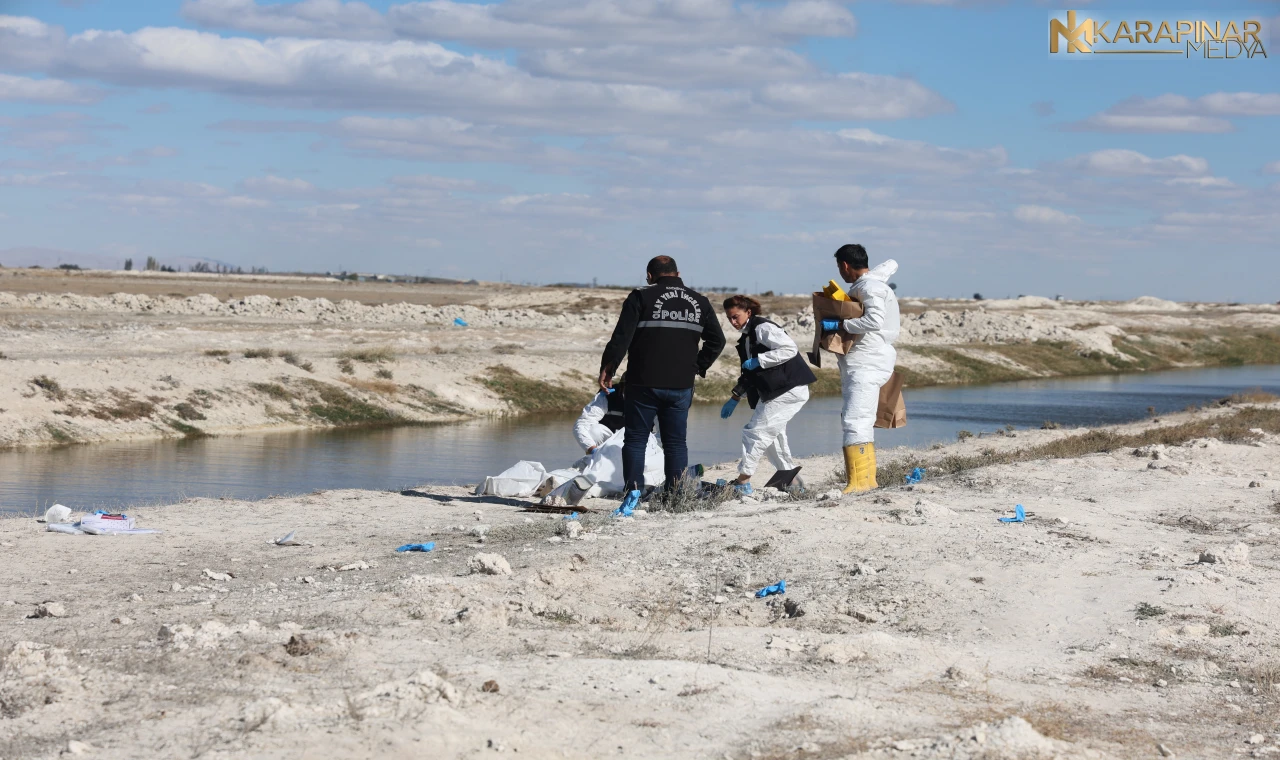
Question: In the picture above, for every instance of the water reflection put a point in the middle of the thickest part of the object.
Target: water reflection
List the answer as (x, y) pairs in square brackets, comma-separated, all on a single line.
[(253, 466)]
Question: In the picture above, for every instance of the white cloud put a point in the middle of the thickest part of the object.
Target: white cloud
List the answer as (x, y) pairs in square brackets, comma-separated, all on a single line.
[(1043, 215), (26, 90), (273, 185), (1206, 183), (538, 23), (696, 67), (855, 96), (1272, 168), (418, 76), (1178, 113), (1130, 163), (310, 18)]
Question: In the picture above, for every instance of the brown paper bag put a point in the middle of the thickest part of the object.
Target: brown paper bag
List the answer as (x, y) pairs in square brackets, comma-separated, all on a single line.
[(892, 412), (839, 342)]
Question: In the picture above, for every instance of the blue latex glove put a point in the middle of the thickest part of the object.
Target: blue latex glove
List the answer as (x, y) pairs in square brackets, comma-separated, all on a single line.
[(916, 476), (778, 588), (609, 391), (727, 410), (417, 547), (830, 325), (1018, 516), (573, 516), (460, 322), (752, 363), (629, 505), (744, 488)]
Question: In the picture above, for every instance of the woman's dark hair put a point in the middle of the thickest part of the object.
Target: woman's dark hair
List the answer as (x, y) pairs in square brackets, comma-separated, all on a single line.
[(745, 303)]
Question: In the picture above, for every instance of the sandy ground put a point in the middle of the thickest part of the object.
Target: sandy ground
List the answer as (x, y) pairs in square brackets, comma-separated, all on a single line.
[(90, 357), (914, 624)]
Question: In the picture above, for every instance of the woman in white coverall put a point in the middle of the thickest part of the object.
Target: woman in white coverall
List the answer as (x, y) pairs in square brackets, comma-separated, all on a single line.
[(776, 382), (868, 366)]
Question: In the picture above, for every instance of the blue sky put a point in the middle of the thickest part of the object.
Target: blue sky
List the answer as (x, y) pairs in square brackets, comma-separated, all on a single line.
[(566, 140)]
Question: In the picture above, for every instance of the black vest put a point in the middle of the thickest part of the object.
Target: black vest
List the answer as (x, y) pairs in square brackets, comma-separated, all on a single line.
[(768, 384), (613, 419)]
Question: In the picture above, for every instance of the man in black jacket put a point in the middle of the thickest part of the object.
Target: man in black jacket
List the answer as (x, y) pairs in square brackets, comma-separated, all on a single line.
[(659, 331)]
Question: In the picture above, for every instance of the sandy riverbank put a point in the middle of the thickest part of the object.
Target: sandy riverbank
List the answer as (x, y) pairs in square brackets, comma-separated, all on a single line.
[(97, 357), (915, 624)]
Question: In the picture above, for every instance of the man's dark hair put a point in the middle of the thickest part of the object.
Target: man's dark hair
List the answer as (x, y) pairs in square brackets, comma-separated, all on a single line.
[(662, 266), (854, 255)]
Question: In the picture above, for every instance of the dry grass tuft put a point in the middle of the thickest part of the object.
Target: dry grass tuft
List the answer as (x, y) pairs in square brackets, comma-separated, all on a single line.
[(369, 355), (292, 358), (52, 390), (687, 497), (259, 353), (373, 386), (529, 395)]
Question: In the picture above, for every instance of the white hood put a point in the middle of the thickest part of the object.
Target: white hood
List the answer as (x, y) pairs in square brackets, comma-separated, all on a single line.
[(883, 271)]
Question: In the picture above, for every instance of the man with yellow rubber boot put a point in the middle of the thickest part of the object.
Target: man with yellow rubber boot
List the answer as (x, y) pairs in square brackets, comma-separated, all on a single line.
[(869, 363)]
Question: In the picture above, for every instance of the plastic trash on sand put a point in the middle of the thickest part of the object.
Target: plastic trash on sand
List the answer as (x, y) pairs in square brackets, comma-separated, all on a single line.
[(57, 514), (428, 546), (916, 476), (101, 524), (778, 588), (1018, 516), (460, 322)]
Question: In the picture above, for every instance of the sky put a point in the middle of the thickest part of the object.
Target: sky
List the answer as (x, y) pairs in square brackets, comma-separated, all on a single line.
[(548, 141)]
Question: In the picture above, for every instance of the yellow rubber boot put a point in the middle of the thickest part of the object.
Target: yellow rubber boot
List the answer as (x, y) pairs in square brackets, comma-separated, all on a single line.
[(860, 463)]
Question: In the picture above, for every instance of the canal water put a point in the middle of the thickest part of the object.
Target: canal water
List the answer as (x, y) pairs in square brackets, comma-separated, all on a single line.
[(254, 466)]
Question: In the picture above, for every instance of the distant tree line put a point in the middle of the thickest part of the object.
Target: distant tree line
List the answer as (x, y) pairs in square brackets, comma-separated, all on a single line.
[(153, 265)]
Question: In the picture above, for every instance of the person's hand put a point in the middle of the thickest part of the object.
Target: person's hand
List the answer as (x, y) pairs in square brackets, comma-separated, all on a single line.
[(606, 380), (830, 325), (591, 450), (727, 409), (752, 363)]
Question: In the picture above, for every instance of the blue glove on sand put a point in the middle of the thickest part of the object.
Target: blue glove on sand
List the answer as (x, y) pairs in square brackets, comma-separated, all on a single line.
[(752, 363), (728, 408), (830, 325), (417, 547), (778, 588)]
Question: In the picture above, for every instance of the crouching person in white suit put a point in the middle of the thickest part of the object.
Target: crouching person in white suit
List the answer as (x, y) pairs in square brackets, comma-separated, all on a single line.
[(601, 418), (599, 430), (775, 381)]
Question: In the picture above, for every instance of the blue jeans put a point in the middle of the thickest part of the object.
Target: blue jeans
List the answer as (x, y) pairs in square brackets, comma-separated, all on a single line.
[(670, 407)]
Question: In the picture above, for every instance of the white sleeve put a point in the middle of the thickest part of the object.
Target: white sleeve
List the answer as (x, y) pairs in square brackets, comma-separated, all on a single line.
[(872, 318), (591, 415), (781, 347)]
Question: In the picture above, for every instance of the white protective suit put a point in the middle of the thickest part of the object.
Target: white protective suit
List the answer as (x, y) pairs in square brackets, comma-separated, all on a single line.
[(869, 365), (588, 430), (766, 433)]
